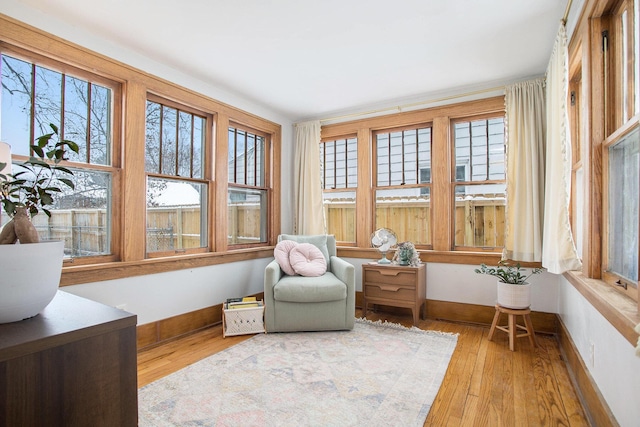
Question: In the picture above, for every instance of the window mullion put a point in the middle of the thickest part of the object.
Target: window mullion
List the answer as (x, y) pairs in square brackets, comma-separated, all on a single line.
[(402, 182), (177, 143), (32, 132), (486, 124), (389, 156), (161, 135), (89, 100), (346, 164), (191, 143)]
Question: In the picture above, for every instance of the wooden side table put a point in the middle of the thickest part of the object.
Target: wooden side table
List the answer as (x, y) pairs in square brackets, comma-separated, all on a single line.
[(395, 285), (74, 364), (512, 326)]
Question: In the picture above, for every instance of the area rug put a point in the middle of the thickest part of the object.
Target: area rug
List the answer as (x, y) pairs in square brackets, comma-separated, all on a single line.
[(378, 374)]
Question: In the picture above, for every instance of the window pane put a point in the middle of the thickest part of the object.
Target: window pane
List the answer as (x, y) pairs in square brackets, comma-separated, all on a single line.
[(199, 135), (402, 155), (84, 102), (81, 217), (16, 104), (407, 212), (479, 149), (174, 141), (185, 129), (176, 215), (76, 114), (624, 162), (152, 138), (247, 216), (169, 126), (100, 153), (340, 214), (339, 162), (479, 215), (246, 158), (48, 102), (382, 155)]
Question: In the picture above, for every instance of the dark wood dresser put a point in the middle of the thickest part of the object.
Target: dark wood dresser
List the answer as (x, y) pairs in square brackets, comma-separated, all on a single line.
[(74, 364), (395, 285)]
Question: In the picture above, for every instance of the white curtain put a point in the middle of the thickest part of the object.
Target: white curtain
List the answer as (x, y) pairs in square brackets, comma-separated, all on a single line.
[(309, 213), (558, 248), (525, 131)]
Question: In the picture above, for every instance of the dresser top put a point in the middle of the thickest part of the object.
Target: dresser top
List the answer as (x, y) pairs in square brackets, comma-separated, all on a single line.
[(66, 319)]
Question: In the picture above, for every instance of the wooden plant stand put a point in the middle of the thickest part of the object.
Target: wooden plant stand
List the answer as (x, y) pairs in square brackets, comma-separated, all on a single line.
[(512, 326)]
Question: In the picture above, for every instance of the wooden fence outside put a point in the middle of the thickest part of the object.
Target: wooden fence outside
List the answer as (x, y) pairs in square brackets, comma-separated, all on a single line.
[(478, 222)]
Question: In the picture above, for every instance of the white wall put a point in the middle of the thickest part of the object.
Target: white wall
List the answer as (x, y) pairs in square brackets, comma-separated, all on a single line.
[(159, 296), (609, 357)]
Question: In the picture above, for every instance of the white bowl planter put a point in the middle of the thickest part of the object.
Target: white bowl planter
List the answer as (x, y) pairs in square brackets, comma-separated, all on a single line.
[(514, 296), (30, 278)]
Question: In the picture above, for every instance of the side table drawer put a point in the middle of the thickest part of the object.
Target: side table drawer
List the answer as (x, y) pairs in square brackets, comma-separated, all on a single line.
[(390, 291), (390, 276)]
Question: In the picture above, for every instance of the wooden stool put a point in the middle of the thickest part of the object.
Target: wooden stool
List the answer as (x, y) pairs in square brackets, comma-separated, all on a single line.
[(512, 326)]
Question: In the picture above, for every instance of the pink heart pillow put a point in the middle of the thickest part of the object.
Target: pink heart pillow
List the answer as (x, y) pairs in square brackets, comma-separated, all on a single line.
[(281, 254), (307, 260)]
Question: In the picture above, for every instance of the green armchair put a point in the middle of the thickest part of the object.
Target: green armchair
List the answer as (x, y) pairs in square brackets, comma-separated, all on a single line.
[(298, 303)]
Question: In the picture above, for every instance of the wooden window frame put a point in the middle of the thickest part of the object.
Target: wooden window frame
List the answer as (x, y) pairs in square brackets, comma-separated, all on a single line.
[(266, 186), (349, 187), (454, 183), (442, 173), (403, 185), (205, 179), (596, 126), (55, 64)]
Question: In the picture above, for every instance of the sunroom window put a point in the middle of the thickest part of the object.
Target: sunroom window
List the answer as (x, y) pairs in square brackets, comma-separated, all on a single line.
[(403, 190), (176, 190), (81, 106), (339, 168)]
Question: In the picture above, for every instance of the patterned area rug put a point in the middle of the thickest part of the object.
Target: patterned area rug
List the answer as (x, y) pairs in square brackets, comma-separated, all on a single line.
[(378, 374)]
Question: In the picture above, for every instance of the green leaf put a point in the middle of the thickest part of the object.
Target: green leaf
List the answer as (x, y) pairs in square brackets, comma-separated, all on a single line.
[(67, 182), (72, 145), (63, 169), (38, 150)]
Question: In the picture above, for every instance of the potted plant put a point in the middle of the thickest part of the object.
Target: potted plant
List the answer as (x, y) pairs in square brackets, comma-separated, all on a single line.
[(31, 270), (513, 289), (406, 254)]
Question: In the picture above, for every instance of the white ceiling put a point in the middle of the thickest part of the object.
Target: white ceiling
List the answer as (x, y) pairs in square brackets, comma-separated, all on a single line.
[(312, 59)]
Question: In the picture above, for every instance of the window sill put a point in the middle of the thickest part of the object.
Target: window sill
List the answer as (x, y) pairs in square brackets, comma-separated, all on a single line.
[(74, 275), (444, 257), (619, 310)]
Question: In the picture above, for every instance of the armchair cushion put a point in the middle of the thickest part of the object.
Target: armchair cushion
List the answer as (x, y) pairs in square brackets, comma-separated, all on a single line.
[(307, 260), (319, 241), (310, 289), (281, 254)]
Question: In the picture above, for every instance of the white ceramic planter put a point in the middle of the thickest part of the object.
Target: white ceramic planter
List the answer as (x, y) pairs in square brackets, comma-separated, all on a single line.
[(514, 296), (29, 278)]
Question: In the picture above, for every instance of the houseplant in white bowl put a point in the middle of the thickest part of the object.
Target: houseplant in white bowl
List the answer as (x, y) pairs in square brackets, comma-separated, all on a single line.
[(514, 291), (31, 270)]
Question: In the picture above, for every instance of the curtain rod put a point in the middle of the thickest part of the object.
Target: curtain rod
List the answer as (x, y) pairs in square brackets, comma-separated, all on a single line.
[(566, 12), (399, 108)]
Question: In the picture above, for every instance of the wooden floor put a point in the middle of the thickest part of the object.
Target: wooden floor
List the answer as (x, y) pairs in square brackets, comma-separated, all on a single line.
[(485, 385)]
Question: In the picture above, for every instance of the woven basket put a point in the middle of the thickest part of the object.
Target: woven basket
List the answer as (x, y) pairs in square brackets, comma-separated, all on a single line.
[(242, 321)]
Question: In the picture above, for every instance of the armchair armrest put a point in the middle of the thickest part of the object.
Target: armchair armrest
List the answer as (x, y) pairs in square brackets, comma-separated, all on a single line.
[(344, 271), (272, 274)]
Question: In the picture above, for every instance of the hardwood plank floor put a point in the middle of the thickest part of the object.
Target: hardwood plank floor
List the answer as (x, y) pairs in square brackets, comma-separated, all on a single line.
[(486, 384)]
